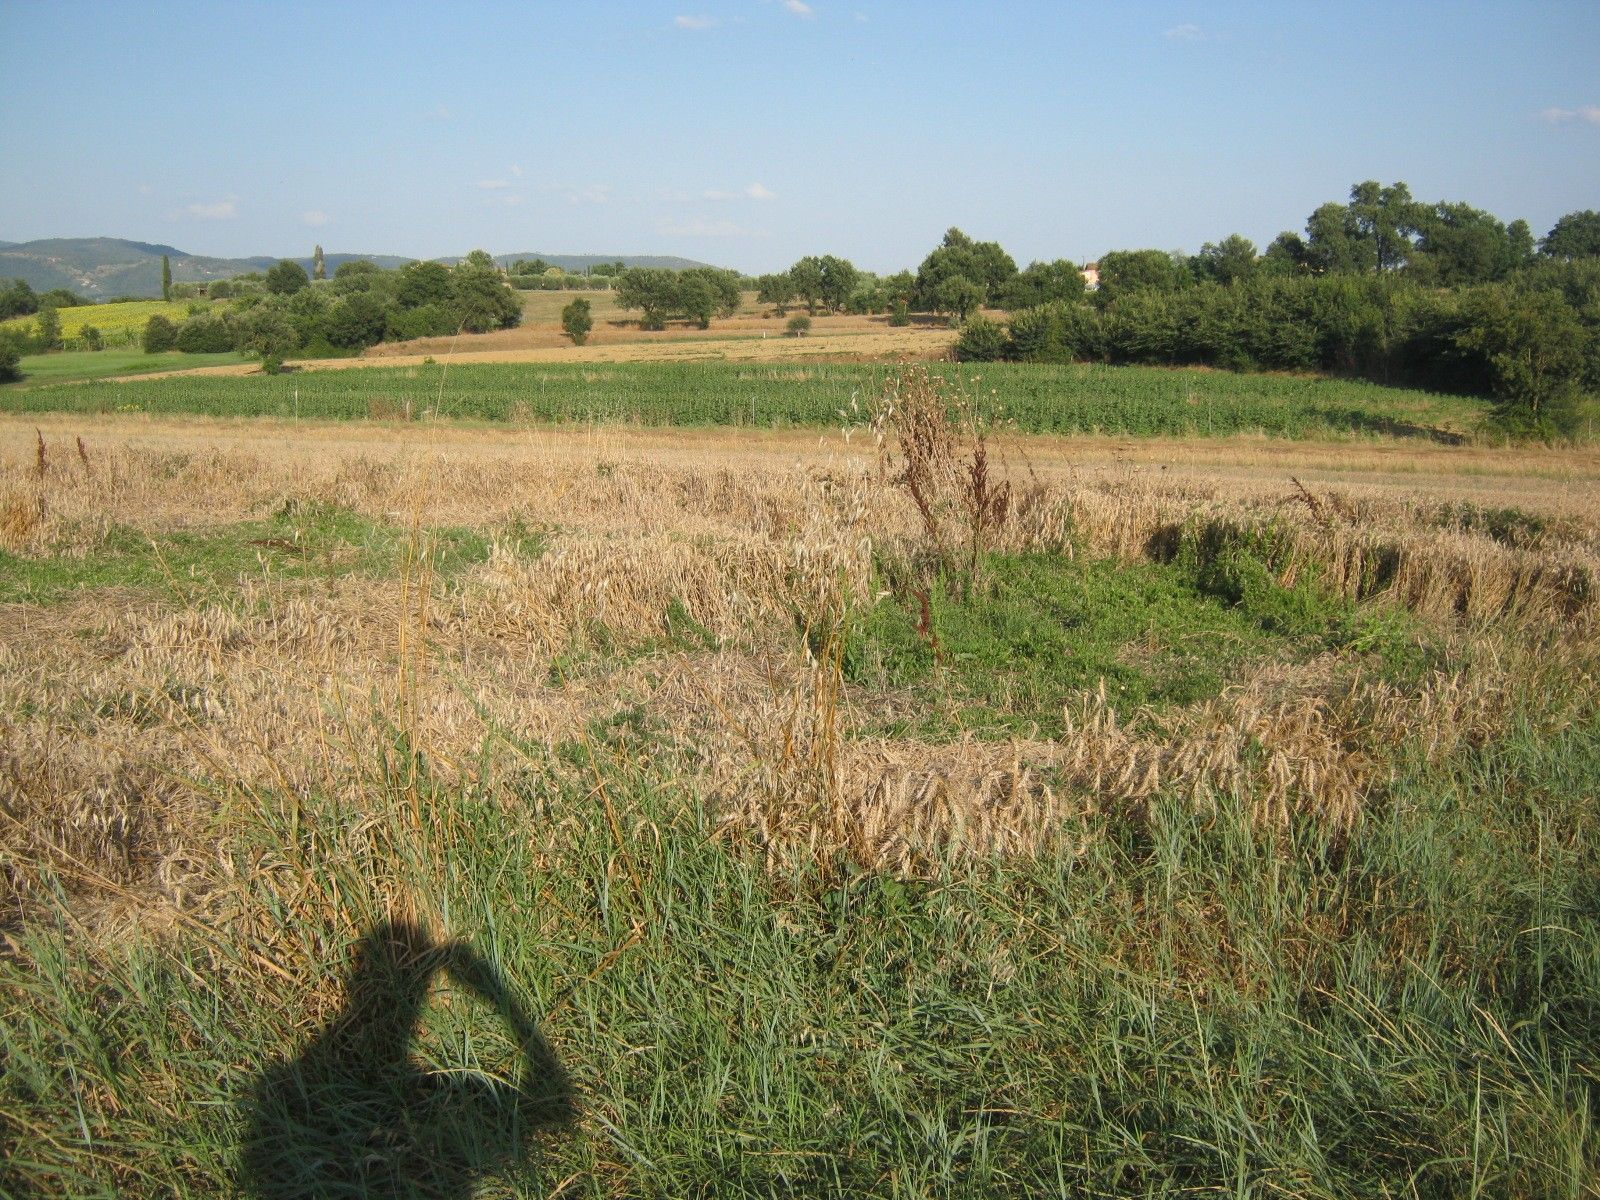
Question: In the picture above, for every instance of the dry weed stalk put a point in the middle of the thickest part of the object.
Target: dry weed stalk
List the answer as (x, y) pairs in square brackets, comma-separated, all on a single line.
[(936, 446)]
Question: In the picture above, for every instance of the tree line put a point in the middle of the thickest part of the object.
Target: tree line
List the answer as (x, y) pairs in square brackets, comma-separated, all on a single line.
[(1440, 295), (360, 306)]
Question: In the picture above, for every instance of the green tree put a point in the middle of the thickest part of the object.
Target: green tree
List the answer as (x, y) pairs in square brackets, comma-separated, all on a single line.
[(160, 335), (958, 295), (1576, 235), (268, 334), (1333, 244), (899, 288), (1123, 272), (1535, 349), (1459, 244), (1287, 255), (651, 290), (1232, 260), (958, 256), (839, 278), (166, 278), (286, 277), (806, 275), (799, 325), (577, 320), (206, 335), (1385, 218), (1043, 283), (48, 326), (981, 340), (422, 283), (10, 356), (481, 297), (776, 290), (356, 321), (696, 298), (19, 300), (319, 264)]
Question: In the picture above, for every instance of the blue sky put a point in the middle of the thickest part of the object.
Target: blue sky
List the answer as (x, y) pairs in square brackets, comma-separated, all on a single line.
[(750, 132)]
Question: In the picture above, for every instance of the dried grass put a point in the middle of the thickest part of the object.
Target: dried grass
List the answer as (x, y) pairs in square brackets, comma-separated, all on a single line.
[(126, 723)]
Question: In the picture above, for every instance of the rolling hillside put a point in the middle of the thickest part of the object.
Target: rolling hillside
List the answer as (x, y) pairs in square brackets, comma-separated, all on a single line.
[(100, 268)]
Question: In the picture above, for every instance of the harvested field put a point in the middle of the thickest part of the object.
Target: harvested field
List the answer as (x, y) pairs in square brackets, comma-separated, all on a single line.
[(1214, 742)]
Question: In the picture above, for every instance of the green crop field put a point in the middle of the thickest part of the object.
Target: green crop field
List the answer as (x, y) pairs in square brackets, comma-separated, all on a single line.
[(1042, 399), (77, 366)]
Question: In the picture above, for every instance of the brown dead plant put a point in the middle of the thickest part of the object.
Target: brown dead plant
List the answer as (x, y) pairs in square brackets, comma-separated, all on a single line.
[(933, 443)]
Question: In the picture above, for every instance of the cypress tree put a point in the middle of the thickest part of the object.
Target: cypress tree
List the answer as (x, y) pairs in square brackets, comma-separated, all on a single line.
[(166, 278)]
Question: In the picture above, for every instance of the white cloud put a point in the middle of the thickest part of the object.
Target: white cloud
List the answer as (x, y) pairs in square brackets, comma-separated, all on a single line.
[(222, 210), (699, 21), (595, 193), (703, 228), (1588, 113), (491, 185), (1185, 33), (314, 217), (145, 189), (441, 113), (756, 191), (861, 17), (799, 8), (516, 171)]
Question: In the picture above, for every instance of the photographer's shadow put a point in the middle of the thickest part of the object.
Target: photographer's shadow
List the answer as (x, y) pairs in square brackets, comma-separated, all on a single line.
[(354, 1116)]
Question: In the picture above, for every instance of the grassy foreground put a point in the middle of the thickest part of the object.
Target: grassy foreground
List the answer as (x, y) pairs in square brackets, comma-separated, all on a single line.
[(1040, 399), (1180, 1004)]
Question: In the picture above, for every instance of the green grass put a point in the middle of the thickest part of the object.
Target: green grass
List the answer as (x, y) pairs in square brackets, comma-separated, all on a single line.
[(1184, 1007), (1046, 399), (1040, 629), (79, 366), (298, 542)]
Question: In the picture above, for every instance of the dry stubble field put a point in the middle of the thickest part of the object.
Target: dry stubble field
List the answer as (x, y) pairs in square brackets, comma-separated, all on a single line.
[(264, 685)]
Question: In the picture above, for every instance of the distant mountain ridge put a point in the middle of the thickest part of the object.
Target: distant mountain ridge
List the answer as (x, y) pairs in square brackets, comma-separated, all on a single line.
[(100, 268)]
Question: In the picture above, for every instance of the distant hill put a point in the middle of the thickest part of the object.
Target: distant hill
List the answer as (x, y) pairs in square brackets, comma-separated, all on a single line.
[(100, 268)]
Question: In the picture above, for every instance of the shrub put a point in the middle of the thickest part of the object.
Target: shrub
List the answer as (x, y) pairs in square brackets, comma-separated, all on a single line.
[(577, 321), (981, 340), (287, 277), (91, 338), (270, 336), (160, 335), (899, 315), (799, 325), (205, 335), (48, 323), (1535, 351), (10, 357), (427, 320)]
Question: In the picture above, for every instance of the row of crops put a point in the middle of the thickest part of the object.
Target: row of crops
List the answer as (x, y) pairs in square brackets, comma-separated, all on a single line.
[(1053, 399)]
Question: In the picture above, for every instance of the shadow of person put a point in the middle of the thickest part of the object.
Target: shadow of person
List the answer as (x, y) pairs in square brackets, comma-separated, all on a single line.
[(353, 1115)]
